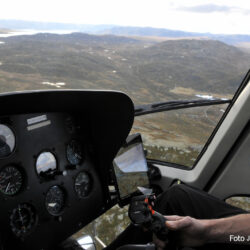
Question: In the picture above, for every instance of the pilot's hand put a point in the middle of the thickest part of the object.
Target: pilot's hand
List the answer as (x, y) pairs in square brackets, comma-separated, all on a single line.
[(190, 232)]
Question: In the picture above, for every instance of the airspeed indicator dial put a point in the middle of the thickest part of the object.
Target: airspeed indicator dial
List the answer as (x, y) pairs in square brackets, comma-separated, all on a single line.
[(22, 220), (45, 163), (10, 180), (75, 154), (54, 200), (7, 141), (83, 184)]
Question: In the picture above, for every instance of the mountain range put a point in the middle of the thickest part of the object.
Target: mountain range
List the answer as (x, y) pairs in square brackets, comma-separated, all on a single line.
[(147, 71), (121, 30)]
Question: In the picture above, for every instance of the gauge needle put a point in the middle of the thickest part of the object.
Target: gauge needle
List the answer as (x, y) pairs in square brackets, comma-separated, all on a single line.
[(20, 215), (77, 155), (52, 204), (6, 190)]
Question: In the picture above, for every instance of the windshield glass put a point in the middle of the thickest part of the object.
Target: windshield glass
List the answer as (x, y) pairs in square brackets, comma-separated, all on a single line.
[(152, 50)]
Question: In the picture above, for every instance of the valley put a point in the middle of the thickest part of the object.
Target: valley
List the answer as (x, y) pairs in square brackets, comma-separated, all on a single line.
[(147, 70)]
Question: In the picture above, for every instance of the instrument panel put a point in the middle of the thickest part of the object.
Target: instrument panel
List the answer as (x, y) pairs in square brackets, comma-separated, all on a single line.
[(48, 178)]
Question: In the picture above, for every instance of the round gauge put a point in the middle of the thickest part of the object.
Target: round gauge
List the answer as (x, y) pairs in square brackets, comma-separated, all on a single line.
[(45, 162), (54, 200), (83, 184), (7, 141), (74, 153), (22, 219), (10, 180)]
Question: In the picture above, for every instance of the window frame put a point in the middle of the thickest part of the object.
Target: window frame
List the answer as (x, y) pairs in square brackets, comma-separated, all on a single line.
[(230, 102)]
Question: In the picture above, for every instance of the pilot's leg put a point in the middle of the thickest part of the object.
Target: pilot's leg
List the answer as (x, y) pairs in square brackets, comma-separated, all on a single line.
[(181, 200), (184, 200)]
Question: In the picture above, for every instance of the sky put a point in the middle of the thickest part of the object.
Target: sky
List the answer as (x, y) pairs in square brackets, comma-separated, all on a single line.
[(220, 16), (132, 160)]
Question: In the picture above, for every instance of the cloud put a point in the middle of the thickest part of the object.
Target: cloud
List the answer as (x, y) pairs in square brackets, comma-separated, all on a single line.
[(210, 8)]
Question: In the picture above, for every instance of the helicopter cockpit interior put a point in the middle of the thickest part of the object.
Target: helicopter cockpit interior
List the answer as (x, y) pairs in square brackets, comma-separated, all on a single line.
[(56, 154)]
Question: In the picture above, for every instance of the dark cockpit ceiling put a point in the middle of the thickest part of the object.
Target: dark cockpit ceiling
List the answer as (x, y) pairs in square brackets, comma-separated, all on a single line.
[(57, 148)]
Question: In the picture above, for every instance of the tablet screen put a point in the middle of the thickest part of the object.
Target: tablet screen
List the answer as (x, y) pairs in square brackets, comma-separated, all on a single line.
[(131, 170)]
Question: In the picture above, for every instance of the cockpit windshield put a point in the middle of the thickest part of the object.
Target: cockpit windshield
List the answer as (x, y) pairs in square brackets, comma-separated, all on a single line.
[(155, 51)]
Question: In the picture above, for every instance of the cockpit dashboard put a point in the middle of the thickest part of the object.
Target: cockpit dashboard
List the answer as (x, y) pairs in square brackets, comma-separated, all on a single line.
[(55, 160)]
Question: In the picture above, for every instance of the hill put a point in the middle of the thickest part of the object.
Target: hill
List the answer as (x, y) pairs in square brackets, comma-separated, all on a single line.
[(148, 31), (148, 72), (197, 64), (156, 32)]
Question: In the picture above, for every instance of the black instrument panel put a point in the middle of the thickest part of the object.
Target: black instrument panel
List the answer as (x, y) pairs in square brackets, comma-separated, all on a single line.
[(48, 179)]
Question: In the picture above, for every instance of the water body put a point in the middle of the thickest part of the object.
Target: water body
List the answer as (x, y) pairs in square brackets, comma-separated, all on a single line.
[(33, 32), (57, 84), (208, 97)]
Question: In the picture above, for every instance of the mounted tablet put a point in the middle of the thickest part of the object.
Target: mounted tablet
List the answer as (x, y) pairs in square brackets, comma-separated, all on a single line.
[(130, 168)]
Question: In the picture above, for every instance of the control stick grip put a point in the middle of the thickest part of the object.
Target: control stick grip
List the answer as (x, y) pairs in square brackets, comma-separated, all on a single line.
[(158, 226), (141, 213)]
